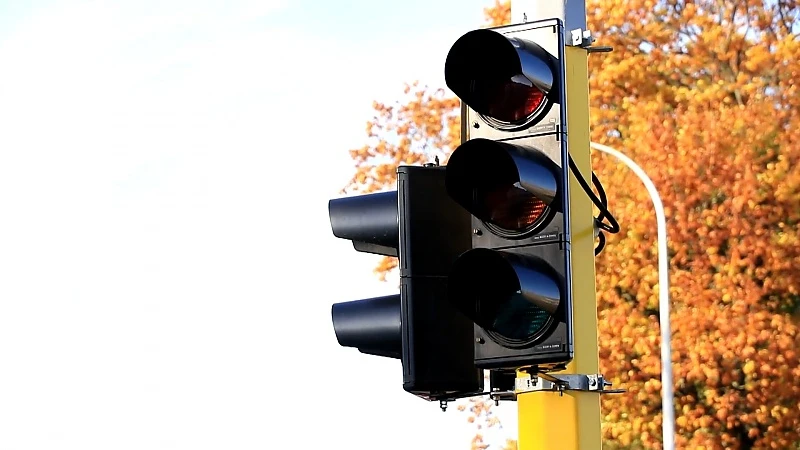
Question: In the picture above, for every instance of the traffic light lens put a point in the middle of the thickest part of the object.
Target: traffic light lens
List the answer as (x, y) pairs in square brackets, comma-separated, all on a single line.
[(518, 319), (512, 208), (512, 101), (510, 188)]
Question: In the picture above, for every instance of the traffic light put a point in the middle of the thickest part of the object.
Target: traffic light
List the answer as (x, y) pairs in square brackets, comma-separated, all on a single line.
[(421, 225), (511, 173)]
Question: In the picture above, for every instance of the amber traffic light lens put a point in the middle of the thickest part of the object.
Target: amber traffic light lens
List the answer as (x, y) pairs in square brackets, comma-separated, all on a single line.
[(514, 100), (511, 207)]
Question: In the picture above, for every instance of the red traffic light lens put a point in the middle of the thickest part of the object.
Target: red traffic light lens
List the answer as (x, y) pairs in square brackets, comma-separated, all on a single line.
[(511, 101), (511, 208)]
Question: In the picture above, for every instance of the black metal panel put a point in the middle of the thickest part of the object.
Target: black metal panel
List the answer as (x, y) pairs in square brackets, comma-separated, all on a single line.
[(434, 229), (438, 351)]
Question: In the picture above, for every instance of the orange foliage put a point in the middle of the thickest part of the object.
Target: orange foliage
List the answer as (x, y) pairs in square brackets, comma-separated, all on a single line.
[(498, 14), (703, 96)]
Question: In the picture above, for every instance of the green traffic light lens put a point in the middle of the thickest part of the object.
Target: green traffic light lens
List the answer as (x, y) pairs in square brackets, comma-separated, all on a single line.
[(514, 298), (517, 319)]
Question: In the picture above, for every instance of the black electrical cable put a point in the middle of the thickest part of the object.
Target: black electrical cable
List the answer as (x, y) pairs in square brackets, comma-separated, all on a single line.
[(601, 203), (613, 225), (601, 237), (602, 194), (601, 243)]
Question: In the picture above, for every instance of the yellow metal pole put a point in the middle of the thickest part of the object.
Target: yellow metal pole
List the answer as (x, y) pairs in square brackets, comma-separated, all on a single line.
[(548, 420)]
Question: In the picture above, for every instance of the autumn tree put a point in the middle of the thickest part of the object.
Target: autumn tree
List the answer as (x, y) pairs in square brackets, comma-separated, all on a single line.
[(703, 96)]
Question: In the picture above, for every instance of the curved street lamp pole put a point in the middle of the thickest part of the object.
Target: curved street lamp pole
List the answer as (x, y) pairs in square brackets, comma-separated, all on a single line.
[(667, 396)]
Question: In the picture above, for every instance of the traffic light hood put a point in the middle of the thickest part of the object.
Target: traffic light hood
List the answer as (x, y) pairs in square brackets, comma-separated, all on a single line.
[(504, 78), (372, 325), (370, 221)]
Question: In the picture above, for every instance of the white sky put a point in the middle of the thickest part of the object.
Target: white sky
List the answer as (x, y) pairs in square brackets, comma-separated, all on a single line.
[(166, 261)]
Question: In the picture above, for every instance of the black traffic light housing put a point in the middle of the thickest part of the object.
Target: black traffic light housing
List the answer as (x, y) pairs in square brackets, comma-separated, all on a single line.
[(511, 174), (427, 230)]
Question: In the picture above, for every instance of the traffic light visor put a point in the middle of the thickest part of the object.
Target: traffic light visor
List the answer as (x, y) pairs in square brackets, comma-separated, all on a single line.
[(506, 80), (372, 325), (508, 187), (370, 221), (513, 298)]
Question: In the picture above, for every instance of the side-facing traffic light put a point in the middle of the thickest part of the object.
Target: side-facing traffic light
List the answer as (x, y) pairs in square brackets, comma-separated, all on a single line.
[(370, 222), (427, 230), (511, 174)]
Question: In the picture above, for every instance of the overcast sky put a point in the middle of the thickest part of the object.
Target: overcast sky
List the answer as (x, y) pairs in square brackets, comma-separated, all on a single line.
[(166, 262)]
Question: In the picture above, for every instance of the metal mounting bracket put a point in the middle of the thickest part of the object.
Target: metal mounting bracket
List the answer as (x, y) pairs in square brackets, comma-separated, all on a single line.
[(536, 382), (540, 382), (581, 38), (584, 39)]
